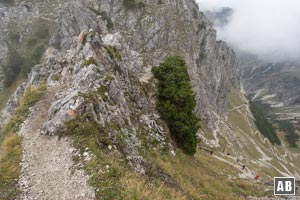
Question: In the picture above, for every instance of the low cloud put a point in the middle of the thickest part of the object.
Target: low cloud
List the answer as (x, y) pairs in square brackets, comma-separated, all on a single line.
[(267, 28)]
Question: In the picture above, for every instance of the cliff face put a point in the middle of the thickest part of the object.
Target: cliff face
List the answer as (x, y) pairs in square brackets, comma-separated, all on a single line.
[(154, 31), (99, 62), (158, 30), (139, 39)]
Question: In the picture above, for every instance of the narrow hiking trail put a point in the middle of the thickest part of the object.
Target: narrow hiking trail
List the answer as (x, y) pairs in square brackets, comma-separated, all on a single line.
[(47, 162)]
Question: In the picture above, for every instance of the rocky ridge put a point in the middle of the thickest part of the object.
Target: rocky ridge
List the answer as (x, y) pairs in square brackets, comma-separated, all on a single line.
[(154, 32), (212, 65), (47, 172), (104, 71)]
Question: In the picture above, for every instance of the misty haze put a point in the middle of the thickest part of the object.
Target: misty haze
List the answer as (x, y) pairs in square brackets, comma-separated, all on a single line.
[(269, 29)]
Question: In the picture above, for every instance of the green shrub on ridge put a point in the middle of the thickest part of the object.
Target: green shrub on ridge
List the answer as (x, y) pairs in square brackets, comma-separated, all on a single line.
[(176, 102)]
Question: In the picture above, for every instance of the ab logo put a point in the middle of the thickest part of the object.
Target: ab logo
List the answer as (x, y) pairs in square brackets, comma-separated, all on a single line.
[(284, 186)]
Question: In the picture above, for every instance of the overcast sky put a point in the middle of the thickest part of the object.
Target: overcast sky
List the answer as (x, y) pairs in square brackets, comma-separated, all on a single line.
[(269, 28)]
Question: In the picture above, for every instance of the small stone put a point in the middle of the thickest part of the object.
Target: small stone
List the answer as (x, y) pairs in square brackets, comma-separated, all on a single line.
[(173, 153), (85, 154)]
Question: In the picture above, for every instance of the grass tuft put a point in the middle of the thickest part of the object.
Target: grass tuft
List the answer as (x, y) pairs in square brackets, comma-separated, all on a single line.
[(10, 158), (31, 96)]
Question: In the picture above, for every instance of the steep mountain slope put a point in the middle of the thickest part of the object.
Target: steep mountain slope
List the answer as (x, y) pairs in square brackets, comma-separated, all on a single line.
[(280, 81), (98, 65), (274, 87), (172, 28)]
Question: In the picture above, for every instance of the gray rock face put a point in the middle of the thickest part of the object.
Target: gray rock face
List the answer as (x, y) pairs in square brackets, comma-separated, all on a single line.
[(74, 18), (98, 71), (11, 105), (174, 27), (155, 33), (108, 88)]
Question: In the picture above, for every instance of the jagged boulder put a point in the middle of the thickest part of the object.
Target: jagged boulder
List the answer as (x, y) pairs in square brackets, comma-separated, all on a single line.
[(70, 25)]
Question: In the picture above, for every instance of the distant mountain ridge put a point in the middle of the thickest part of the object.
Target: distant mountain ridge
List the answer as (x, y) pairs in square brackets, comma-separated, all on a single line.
[(220, 17)]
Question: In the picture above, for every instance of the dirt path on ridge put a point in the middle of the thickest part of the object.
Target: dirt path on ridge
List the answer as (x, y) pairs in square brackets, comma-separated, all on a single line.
[(46, 164)]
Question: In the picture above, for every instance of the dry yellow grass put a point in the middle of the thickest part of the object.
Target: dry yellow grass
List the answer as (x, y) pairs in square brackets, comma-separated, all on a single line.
[(137, 187), (204, 177), (10, 158), (201, 176)]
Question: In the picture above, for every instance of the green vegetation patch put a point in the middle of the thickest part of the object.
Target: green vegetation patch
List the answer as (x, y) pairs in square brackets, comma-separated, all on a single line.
[(195, 13), (104, 16), (12, 67), (108, 20), (290, 132), (176, 102), (89, 61), (10, 2), (10, 158), (31, 96), (6, 93), (113, 52), (263, 125), (133, 4)]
